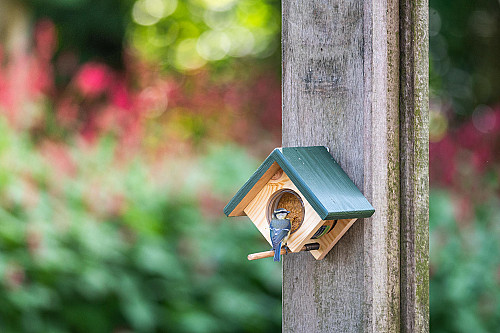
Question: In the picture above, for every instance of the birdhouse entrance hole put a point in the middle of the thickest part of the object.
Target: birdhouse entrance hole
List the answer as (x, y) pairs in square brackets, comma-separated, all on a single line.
[(292, 202)]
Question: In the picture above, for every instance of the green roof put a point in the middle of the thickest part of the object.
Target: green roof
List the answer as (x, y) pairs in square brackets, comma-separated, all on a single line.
[(318, 177)]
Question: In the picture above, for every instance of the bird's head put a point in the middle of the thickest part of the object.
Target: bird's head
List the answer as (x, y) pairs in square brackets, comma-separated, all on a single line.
[(281, 213)]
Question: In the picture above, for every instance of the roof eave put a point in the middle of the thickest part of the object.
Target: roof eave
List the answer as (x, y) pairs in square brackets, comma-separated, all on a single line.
[(349, 215), (276, 156), (250, 183)]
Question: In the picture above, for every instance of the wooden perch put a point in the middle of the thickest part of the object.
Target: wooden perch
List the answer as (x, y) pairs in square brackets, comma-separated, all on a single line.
[(268, 254)]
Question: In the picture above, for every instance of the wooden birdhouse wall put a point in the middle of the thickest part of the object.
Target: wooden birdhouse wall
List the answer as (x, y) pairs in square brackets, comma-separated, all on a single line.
[(257, 211), (327, 241)]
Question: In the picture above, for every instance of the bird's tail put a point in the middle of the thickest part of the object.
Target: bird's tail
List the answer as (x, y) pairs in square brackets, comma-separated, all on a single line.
[(277, 252)]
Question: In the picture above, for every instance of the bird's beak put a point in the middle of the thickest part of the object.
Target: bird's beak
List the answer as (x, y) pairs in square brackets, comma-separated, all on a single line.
[(288, 212)]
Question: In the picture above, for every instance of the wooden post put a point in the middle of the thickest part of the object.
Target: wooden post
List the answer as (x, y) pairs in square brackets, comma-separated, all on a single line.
[(355, 79)]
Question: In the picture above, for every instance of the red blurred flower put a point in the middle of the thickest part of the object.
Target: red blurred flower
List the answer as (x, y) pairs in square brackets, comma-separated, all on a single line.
[(120, 96), (93, 79)]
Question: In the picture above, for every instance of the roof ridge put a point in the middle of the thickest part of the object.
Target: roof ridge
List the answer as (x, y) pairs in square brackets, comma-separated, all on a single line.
[(302, 185)]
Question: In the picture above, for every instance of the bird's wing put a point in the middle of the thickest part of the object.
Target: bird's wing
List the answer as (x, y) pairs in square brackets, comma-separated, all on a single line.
[(279, 230), (281, 224), (278, 235)]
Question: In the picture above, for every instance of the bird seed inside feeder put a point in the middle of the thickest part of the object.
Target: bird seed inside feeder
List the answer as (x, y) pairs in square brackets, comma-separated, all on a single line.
[(292, 202)]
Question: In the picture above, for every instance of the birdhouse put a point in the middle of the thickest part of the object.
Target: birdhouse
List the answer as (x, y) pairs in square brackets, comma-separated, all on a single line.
[(323, 202)]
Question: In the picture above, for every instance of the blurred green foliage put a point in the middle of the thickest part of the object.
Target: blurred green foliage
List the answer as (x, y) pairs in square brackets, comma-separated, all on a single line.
[(465, 266), (464, 153), (181, 35), (185, 35), (90, 245), (464, 53), (89, 29), (93, 243)]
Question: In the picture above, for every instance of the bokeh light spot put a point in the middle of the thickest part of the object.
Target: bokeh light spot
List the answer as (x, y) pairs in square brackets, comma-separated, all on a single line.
[(242, 42), (187, 57), (483, 23), (149, 12), (219, 5), (438, 125), (213, 45), (484, 119), (219, 20), (434, 22)]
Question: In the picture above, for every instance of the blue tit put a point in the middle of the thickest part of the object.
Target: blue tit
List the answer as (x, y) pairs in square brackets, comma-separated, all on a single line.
[(280, 230)]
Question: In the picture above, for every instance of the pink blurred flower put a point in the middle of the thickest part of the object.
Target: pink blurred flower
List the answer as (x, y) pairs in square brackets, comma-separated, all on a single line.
[(153, 100), (34, 240), (4, 87), (209, 204), (468, 136), (89, 132), (57, 156), (120, 96), (481, 158), (93, 79), (463, 210), (497, 118), (45, 39), (42, 75), (67, 111), (14, 276), (442, 161)]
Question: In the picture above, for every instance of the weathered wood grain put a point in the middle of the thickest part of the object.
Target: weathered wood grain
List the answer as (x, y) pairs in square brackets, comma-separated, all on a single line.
[(341, 89), (414, 92)]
